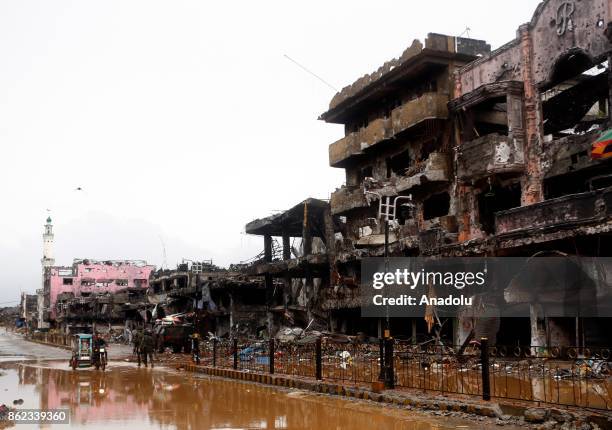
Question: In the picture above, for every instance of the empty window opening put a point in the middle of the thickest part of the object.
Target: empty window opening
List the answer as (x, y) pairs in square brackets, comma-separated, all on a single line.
[(67, 281), (496, 198), (599, 182), (576, 101), (404, 213), (436, 206), (366, 172), (121, 282), (398, 163), (578, 181), (427, 148), (488, 117)]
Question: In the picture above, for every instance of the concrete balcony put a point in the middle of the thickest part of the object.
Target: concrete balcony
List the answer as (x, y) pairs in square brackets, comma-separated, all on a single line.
[(437, 168), (345, 199), (318, 264), (490, 154), (428, 106), (354, 143), (565, 212), (344, 149)]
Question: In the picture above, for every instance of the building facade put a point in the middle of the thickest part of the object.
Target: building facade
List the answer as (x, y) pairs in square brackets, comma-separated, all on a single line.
[(491, 156)]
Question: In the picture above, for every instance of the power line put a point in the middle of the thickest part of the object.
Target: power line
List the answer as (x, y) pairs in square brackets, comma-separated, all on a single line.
[(310, 72)]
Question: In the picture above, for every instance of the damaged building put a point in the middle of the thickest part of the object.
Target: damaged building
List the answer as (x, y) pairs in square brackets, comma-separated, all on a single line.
[(212, 299), (295, 264), (94, 293), (479, 153), (28, 310), (397, 149), (526, 117)]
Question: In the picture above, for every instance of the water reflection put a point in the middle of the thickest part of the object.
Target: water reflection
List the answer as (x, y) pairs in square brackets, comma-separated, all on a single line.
[(152, 399)]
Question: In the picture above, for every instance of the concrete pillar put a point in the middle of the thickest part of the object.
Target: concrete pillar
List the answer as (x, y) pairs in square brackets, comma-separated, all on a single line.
[(269, 284), (286, 247), (306, 233), (286, 290), (267, 248), (532, 186), (538, 331)]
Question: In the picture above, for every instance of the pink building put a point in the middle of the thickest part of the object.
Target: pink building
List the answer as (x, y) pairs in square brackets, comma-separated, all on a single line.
[(88, 277)]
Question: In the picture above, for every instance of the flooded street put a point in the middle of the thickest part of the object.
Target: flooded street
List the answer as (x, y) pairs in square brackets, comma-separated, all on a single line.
[(128, 396)]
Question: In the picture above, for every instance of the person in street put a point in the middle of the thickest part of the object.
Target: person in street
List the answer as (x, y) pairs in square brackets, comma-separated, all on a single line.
[(99, 342), (195, 347), (136, 341), (146, 347)]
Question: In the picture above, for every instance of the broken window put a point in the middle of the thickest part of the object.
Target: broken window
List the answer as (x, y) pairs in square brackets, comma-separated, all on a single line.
[(67, 281), (140, 282), (496, 198), (121, 282), (398, 163), (436, 206), (87, 282)]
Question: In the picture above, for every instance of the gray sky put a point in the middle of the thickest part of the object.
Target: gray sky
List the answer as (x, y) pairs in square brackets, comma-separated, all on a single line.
[(183, 120)]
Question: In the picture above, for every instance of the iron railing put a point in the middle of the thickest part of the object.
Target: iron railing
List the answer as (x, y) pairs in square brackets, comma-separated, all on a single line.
[(566, 376)]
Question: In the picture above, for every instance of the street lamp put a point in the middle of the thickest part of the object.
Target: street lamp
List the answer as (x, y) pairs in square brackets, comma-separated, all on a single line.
[(387, 211)]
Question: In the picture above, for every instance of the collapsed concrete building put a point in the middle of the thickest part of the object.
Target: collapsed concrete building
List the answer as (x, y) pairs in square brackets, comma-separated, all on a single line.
[(213, 299), (295, 271), (491, 152), (487, 153), (28, 310)]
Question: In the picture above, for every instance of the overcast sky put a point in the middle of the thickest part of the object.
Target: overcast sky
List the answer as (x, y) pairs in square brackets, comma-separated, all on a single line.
[(182, 120)]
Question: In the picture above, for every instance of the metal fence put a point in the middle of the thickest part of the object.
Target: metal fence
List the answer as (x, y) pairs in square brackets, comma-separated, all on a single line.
[(564, 376), (567, 376)]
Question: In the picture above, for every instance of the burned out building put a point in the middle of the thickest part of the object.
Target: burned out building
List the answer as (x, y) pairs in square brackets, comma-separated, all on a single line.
[(479, 153), (398, 147), (28, 310), (100, 311), (296, 269), (213, 299), (92, 291), (526, 117)]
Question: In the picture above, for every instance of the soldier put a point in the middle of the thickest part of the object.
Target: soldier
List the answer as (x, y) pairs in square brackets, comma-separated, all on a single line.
[(146, 347), (136, 340), (195, 347)]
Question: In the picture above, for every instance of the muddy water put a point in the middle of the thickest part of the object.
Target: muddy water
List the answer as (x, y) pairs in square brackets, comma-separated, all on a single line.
[(126, 396)]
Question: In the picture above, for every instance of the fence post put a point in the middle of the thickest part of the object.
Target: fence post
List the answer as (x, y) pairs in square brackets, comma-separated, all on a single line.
[(381, 359), (318, 367), (214, 357), (235, 354), (484, 361), (271, 356), (389, 371)]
